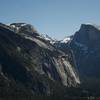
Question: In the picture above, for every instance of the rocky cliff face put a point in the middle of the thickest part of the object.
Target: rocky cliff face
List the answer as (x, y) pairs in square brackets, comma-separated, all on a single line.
[(29, 64), (83, 49), (86, 49), (85, 45)]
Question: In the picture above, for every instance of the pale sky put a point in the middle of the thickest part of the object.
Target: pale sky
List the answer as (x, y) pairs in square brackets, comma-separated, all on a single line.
[(57, 18)]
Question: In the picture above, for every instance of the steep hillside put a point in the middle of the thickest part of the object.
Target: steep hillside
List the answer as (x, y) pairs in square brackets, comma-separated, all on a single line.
[(30, 65)]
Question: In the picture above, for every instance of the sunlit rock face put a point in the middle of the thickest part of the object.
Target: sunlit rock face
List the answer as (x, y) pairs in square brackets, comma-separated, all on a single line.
[(30, 64), (83, 50)]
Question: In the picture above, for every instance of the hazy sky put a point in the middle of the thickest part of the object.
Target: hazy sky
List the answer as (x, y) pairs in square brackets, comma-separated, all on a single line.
[(57, 18)]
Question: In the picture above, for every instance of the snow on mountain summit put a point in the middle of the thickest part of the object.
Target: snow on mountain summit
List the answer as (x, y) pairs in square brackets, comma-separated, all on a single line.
[(66, 40), (48, 38)]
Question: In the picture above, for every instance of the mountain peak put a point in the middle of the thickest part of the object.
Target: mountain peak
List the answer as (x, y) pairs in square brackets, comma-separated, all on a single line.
[(20, 27), (90, 25), (66, 39), (88, 34)]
